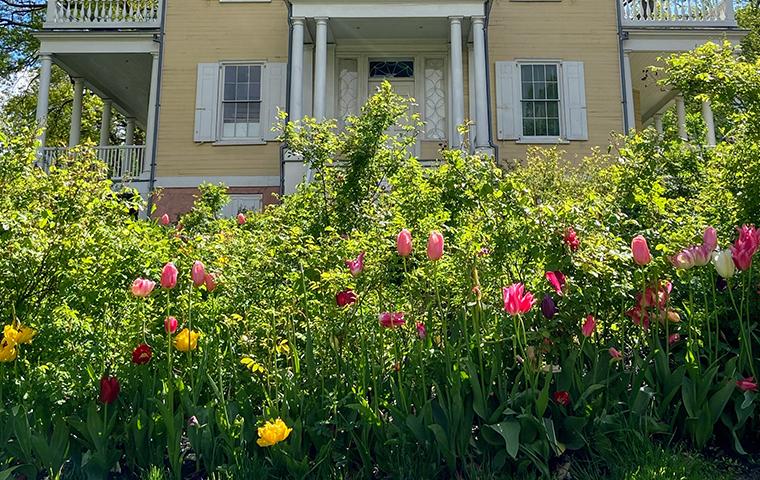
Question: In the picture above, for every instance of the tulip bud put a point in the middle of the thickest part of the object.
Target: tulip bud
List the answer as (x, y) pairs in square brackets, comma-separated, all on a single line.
[(169, 276), (710, 239), (435, 246), (674, 338), (589, 326), (724, 263), (193, 422), (198, 273), (210, 281), (170, 325), (421, 331), (241, 219), (404, 243), (165, 219), (615, 354), (548, 307), (109, 389), (640, 250)]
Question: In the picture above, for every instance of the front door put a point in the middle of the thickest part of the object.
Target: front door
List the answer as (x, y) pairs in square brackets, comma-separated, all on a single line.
[(400, 74)]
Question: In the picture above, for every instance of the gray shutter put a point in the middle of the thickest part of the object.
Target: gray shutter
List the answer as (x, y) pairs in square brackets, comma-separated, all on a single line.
[(273, 97), (508, 106), (574, 101), (206, 102)]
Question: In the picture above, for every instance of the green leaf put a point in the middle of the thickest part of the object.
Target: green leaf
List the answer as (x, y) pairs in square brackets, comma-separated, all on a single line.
[(510, 431)]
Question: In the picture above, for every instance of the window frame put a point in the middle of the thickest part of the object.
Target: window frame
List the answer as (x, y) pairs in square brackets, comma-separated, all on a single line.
[(221, 138), (542, 139)]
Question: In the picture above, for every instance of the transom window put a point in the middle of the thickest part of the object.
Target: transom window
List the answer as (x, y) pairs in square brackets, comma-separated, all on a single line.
[(391, 69), (241, 101), (540, 100)]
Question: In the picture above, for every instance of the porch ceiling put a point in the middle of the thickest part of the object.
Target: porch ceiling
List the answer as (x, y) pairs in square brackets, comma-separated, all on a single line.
[(652, 97), (364, 29), (122, 77)]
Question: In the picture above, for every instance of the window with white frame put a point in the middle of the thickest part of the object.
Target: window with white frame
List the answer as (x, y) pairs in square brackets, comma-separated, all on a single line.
[(242, 203), (241, 101), (540, 100)]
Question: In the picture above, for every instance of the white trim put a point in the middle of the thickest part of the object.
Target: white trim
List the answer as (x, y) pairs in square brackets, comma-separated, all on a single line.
[(220, 138), (670, 40), (96, 42), (543, 139), (230, 181), (357, 9)]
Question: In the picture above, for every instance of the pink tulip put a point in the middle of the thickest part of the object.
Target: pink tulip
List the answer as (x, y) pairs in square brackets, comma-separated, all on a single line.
[(210, 280), (404, 243), (615, 354), (421, 331), (142, 287), (747, 384), (170, 325), (435, 246), (674, 338), (640, 250), (710, 239), (571, 239), (745, 247), (356, 265), (696, 256), (392, 319), (557, 280), (516, 300), (345, 298), (169, 276), (241, 219), (165, 219), (198, 273), (589, 326)]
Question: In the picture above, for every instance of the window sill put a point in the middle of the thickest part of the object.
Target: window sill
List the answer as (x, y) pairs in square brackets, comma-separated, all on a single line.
[(542, 141), (241, 142)]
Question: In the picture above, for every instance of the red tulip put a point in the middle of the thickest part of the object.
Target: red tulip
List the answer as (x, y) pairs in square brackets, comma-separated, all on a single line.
[(344, 298), (589, 326), (356, 265), (747, 384), (404, 243), (639, 316), (241, 219), (109, 389), (392, 319), (571, 239), (516, 300), (169, 276), (557, 280), (640, 250), (562, 397), (142, 354), (142, 287), (165, 219), (435, 246), (210, 280), (421, 330), (198, 273), (170, 325), (674, 338), (745, 247)]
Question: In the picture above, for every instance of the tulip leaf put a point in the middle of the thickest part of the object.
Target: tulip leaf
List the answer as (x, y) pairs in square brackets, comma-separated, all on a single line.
[(510, 431)]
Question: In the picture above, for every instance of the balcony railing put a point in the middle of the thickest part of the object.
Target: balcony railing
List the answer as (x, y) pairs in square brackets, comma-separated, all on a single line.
[(103, 14), (124, 161), (678, 13)]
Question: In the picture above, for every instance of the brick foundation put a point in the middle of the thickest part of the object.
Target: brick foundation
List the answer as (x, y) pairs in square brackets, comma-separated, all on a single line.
[(179, 200)]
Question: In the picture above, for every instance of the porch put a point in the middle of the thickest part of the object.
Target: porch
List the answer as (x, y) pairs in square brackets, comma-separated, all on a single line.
[(125, 163), (103, 14), (677, 13)]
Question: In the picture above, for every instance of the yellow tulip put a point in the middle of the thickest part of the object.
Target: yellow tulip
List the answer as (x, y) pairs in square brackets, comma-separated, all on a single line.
[(186, 340), (8, 352), (272, 433), (25, 335), (10, 335)]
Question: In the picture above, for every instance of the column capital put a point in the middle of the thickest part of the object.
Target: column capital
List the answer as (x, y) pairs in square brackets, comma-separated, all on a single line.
[(107, 101), (298, 20), (456, 19), (76, 80), (321, 20), (45, 56), (478, 19)]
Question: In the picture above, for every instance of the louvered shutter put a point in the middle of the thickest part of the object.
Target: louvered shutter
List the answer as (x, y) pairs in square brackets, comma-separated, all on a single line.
[(206, 102), (273, 96), (508, 106), (574, 101)]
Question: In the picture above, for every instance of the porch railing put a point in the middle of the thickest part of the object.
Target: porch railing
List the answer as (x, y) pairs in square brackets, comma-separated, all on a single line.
[(678, 13), (123, 161), (103, 14)]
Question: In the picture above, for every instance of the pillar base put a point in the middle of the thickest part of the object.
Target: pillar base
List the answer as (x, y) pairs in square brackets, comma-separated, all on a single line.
[(293, 172)]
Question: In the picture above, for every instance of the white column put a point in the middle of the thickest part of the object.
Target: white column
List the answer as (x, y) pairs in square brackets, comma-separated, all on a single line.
[(630, 108), (76, 113), (320, 69), (43, 96), (481, 95), (681, 114), (707, 114), (150, 124), (457, 79), (129, 138), (105, 123), (296, 71), (658, 123)]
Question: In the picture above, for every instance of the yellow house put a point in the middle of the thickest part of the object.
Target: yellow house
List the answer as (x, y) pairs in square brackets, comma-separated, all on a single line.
[(204, 79)]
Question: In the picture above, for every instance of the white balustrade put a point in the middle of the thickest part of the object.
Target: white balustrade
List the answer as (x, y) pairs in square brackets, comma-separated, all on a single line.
[(103, 14), (124, 161), (675, 13)]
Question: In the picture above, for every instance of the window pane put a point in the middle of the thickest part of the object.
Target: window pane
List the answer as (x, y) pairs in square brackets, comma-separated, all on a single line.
[(527, 91), (538, 73), (254, 91), (528, 110), (229, 112), (552, 109), (230, 74), (552, 91), (527, 73), (229, 91), (551, 73), (392, 69), (540, 128), (241, 91), (528, 128), (553, 129), (241, 112), (255, 74), (254, 112), (540, 109), (242, 74), (541, 91)]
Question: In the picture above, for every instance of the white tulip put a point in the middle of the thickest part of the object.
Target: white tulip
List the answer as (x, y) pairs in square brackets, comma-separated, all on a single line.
[(724, 263)]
